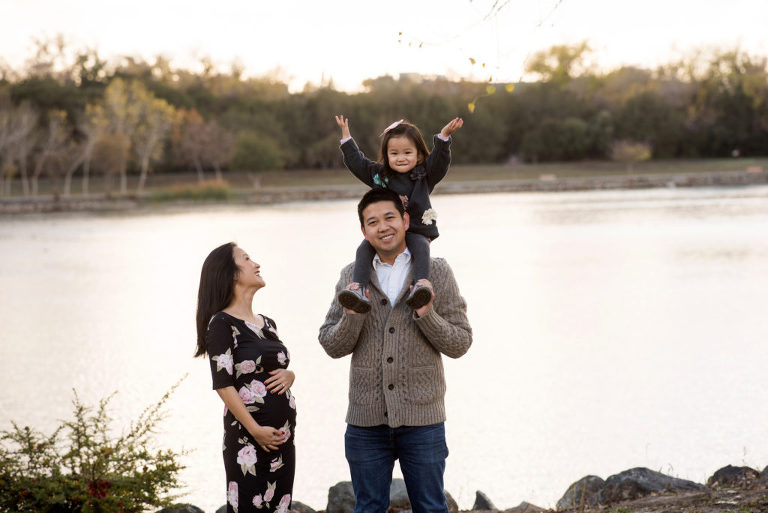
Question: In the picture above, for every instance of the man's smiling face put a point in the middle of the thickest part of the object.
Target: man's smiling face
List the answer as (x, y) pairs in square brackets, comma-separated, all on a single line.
[(384, 228)]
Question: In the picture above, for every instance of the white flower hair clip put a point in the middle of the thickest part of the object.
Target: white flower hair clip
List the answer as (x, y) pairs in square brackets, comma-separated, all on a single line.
[(430, 215), (390, 127)]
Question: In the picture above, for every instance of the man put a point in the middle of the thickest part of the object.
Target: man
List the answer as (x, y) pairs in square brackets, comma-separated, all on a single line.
[(396, 380)]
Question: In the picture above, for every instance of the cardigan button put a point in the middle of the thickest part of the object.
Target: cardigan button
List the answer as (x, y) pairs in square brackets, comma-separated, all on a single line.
[(384, 302), (386, 414), (391, 330), (390, 386), (390, 360)]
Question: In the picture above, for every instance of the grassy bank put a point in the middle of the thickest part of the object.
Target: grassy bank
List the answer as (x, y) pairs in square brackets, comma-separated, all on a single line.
[(482, 172), (161, 185)]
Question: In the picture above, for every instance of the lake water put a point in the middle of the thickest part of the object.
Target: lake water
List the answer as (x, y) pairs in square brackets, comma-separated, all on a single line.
[(611, 330)]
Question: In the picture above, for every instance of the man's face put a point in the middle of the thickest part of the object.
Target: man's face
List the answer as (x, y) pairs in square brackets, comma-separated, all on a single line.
[(384, 228)]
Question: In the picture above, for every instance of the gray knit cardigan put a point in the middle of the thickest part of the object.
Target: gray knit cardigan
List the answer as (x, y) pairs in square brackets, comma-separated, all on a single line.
[(396, 374)]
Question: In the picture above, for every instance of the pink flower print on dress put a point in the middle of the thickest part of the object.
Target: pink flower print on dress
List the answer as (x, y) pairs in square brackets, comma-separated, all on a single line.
[(285, 431), (285, 502), (270, 491), (224, 361), (273, 330), (258, 501), (235, 333), (247, 395), (245, 367), (258, 388), (274, 465), (291, 400), (281, 358), (232, 494), (246, 457)]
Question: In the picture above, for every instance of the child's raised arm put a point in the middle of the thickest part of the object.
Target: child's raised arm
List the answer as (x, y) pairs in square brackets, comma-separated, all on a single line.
[(448, 129), (365, 170), (440, 157), (344, 125)]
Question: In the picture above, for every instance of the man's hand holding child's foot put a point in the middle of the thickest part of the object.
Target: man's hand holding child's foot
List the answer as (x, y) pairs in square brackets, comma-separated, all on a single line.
[(355, 299), (421, 296)]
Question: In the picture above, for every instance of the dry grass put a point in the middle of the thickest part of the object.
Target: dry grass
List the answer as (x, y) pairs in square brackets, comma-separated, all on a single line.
[(244, 181)]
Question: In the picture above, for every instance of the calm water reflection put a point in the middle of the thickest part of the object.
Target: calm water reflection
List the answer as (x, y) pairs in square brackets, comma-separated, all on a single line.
[(612, 330)]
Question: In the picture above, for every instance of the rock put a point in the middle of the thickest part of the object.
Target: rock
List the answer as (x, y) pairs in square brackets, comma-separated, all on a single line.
[(341, 498), (525, 507), (764, 474), (584, 492), (640, 482), (730, 476), (453, 506), (398, 498), (298, 507), (482, 501), (398, 495), (222, 509), (182, 508)]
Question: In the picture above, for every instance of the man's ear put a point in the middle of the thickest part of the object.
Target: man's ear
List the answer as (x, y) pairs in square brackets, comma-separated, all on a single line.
[(407, 220)]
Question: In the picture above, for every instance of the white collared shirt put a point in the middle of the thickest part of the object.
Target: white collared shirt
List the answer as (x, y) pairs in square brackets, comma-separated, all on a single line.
[(392, 277)]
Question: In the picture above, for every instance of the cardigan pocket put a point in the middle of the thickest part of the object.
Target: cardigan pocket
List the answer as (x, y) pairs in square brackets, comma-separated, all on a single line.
[(362, 385), (425, 385)]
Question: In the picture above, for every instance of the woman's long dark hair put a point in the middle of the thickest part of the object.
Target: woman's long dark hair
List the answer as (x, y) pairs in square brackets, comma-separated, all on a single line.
[(408, 130), (217, 287)]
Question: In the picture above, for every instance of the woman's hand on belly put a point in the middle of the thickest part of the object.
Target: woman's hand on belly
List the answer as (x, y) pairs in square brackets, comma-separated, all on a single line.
[(280, 381), (267, 437)]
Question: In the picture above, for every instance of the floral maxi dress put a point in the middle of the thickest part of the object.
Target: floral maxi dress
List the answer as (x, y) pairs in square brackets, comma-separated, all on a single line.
[(242, 355)]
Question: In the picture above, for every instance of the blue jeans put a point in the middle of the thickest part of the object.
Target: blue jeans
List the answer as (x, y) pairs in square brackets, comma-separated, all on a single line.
[(371, 453)]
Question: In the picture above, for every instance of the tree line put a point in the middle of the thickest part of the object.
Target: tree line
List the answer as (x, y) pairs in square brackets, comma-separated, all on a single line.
[(69, 115)]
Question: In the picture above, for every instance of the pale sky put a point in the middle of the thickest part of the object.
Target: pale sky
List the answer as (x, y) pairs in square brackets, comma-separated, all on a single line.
[(351, 40)]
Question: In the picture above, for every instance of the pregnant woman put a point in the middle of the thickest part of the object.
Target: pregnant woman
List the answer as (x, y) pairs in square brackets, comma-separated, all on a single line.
[(249, 366)]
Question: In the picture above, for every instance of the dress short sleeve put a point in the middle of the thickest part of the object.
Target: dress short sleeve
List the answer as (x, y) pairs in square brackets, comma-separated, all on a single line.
[(221, 341)]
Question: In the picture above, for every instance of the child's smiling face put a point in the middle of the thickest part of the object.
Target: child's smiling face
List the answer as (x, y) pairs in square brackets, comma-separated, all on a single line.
[(402, 154)]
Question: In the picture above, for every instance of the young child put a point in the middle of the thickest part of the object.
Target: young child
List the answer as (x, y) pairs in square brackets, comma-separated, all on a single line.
[(408, 168)]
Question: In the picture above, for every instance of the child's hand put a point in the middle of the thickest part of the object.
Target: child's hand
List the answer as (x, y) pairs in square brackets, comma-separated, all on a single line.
[(451, 127), (344, 125)]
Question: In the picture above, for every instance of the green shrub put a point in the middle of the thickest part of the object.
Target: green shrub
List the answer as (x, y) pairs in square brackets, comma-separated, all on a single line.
[(81, 467), (556, 140), (257, 152), (630, 152)]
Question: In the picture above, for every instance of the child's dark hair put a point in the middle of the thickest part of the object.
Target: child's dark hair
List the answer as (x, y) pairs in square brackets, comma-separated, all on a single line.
[(406, 129), (377, 195)]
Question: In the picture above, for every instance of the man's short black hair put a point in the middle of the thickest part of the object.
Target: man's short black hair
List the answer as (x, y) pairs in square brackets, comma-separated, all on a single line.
[(376, 195)]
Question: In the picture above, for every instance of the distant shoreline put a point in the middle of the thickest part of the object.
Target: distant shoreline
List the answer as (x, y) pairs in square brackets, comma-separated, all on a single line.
[(284, 194)]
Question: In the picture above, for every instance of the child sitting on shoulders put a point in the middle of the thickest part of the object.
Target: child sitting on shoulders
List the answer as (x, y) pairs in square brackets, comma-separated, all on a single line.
[(408, 168)]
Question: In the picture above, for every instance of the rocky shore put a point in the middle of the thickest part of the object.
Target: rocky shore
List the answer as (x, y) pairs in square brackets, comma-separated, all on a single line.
[(270, 195), (638, 490)]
